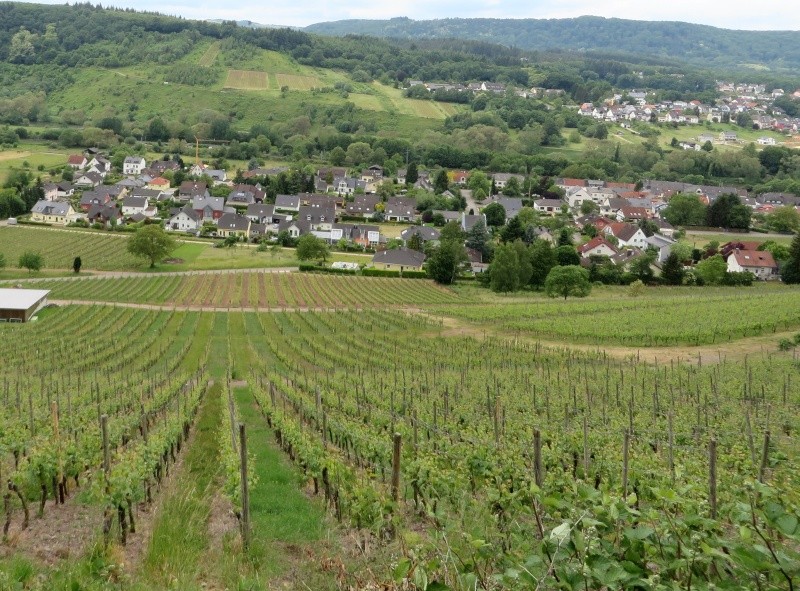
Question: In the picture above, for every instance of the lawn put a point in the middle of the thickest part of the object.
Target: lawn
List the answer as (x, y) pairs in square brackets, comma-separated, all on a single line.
[(701, 238)]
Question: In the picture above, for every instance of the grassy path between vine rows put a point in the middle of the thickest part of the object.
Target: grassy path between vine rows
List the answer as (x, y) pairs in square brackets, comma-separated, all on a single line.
[(196, 542)]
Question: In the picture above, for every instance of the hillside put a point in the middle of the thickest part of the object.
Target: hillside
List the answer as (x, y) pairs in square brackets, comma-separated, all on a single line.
[(697, 44)]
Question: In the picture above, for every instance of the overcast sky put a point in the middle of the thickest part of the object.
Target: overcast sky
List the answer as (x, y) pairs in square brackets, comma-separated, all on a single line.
[(731, 14)]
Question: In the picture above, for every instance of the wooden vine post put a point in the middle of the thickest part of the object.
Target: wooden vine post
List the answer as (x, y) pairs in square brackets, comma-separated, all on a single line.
[(764, 458), (537, 457), (712, 477), (396, 467), (245, 488), (626, 442), (108, 515)]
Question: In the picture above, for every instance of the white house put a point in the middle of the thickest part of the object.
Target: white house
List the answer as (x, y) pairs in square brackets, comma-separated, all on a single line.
[(133, 165), (758, 262), (186, 220), (627, 235)]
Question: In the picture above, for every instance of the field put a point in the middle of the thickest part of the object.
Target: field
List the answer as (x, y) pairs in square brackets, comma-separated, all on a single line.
[(30, 156), (210, 56), (244, 80), (295, 82), (106, 252), (533, 440), (655, 320), (251, 290)]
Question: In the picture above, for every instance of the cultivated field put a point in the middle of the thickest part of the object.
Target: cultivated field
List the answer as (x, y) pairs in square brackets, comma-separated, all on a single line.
[(105, 252), (210, 56), (297, 82), (544, 463), (252, 290), (671, 317), (247, 80)]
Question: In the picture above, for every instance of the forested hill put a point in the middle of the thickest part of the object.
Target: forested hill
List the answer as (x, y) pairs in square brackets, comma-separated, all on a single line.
[(684, 42)]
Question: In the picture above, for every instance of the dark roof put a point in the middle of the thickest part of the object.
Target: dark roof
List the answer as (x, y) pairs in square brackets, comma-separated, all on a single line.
[(400, 256), (233, 221), (425, 233)]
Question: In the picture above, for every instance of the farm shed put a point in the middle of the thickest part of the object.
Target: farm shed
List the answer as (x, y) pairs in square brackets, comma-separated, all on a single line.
[(18, 305)]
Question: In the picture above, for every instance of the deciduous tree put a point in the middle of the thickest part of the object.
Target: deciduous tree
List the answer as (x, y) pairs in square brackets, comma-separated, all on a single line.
[(571, 280), (152, 243)]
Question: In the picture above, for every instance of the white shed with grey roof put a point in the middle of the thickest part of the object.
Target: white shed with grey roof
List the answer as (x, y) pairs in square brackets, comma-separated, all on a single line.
[(19, 305)]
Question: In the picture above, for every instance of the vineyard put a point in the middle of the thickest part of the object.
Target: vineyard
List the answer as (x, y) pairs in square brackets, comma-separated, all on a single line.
[(538, 466), (693, 317), (105, 252), (486, 463), (102, 412), (251, 290)]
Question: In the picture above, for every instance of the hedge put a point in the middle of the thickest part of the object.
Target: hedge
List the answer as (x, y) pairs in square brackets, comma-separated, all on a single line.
[(389, 273), (316, 269), (32, 223)]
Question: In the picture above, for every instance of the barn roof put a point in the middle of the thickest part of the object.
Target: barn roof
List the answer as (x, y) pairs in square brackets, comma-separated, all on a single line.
[(20, 299)]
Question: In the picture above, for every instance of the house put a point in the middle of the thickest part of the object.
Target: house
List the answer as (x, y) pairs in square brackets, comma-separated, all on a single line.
[(52, 212), (402, 259), (263, 213), (159, 167), (287, 203), (597, 246), (293, 227), (87, 180), (317, 218), (133, 165), (209, 209), (372, 174), (459, 177), (317, 200), (348, 185), (633, 214), (191, 189), (425, 233), (664, 227), (233, 224), (627, 234), (548, 206), (363, 235), (400, 210), (729, 247), (91, 198), (103, 214), (767, 141), (512, 206), (100, 165), (728, 136), (77, 161), (137, 206), (20, 305), (245, 195), (447, 216), (363, 206), (184, 220), (758, 262), (662, 244), (468, 221), (158, 184), (500, 179), (56, 191)]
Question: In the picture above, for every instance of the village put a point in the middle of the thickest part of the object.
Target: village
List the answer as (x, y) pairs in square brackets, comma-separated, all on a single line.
[(351, 212)]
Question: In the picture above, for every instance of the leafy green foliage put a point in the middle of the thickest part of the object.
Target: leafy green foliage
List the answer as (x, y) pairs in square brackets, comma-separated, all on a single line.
[(566, 281), (152, 243), (310, 247), (446, 261)]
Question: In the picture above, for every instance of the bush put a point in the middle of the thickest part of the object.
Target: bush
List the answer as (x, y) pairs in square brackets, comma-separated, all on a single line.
[(738, 279), (330, 270)]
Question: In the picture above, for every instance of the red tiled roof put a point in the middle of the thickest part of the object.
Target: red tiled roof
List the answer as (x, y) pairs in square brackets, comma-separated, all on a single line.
[(754, 258)]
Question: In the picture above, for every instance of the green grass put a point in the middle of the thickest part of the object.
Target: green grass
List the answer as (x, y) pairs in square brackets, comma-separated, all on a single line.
[(700, 239), (34, 154)]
